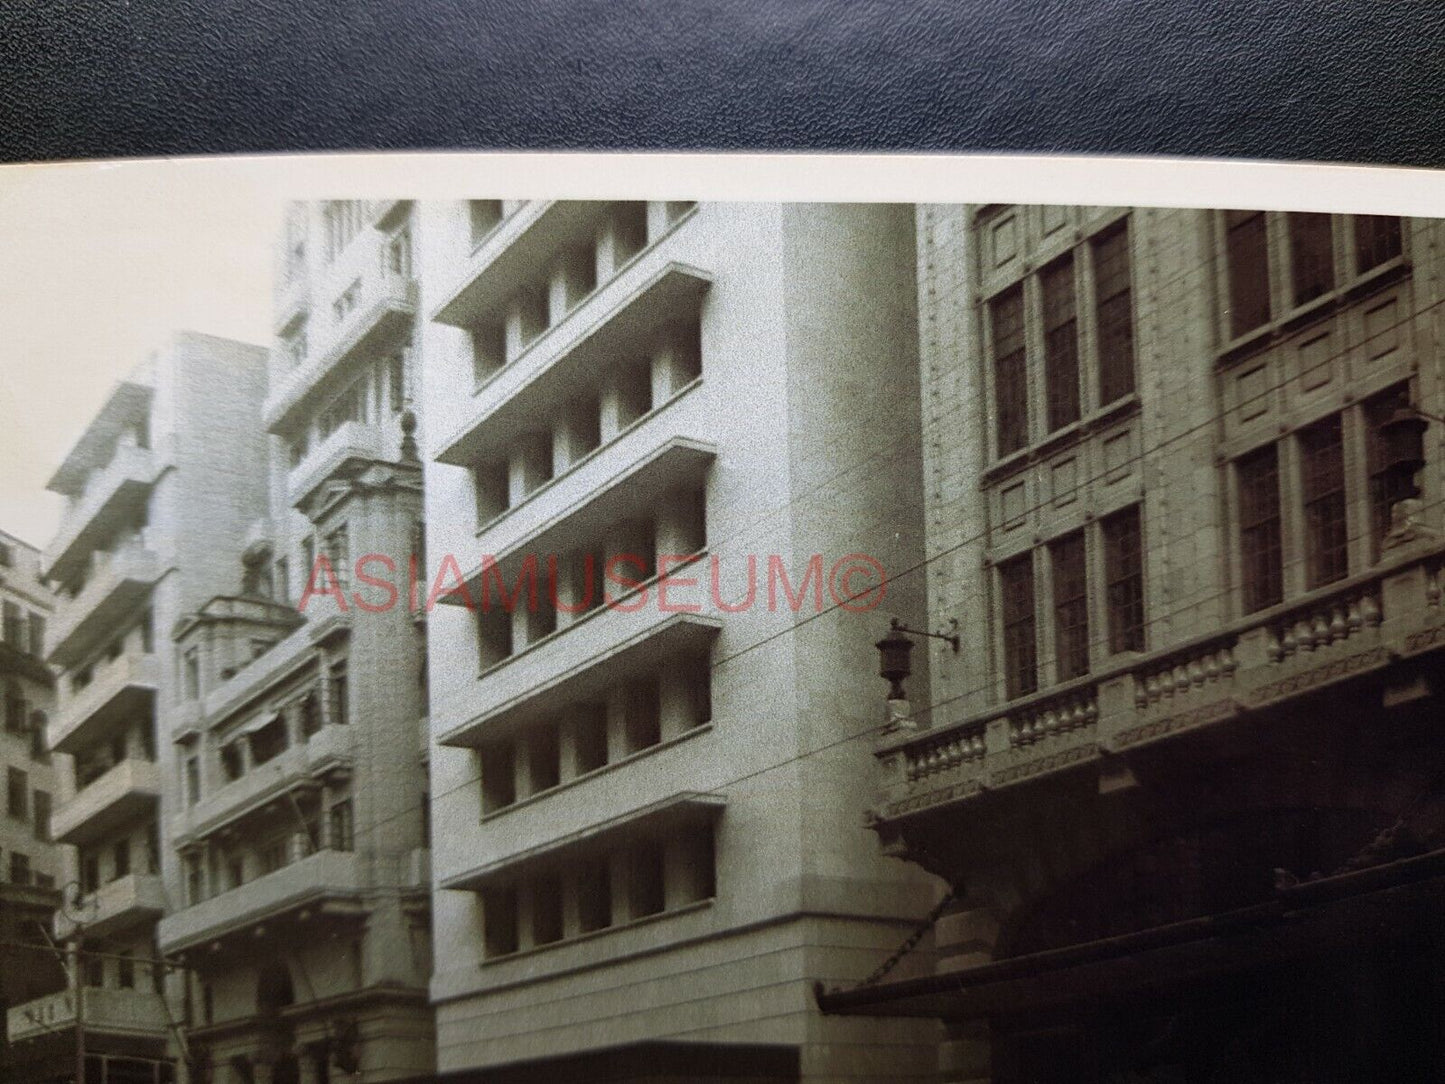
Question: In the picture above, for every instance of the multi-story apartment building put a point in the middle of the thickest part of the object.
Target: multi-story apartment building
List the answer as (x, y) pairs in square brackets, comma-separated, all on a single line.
[(297, 816), (32, 864), (1185, 776), (156, 487), (647, 842)]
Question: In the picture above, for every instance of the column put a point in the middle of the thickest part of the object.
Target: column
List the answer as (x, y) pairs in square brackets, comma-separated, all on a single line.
[(617, 701), (558, 291)]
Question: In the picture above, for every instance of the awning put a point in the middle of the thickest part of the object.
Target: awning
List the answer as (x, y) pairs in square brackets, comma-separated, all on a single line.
[(1303, 920)]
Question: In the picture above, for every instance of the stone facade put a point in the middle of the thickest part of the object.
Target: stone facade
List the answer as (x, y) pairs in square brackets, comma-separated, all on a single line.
[(1194, 658)]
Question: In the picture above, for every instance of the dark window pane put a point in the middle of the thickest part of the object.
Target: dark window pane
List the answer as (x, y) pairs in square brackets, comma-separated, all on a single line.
[(1259, 530), (1061, 344), (1071, 606), (1312, 256), (1248, 254), (1124, 579), (1114, 301), (1377, 240), (1010, 375), (1020, 650), (1386, 488), (1323, 461)]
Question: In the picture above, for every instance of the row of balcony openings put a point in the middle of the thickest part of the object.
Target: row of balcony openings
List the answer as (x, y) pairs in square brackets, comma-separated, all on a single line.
[(577, 273), (591, 418), (621, 884), (586, 737), (590, 576)]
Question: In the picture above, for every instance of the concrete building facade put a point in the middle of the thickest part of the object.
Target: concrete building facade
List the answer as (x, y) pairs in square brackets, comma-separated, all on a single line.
[(297, 819), (644, 806), (33, 867), (1182, 779)]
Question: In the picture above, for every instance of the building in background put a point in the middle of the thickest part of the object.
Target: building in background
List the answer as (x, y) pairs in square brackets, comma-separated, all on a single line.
[(297, 813), (647, 836), (33, 867), (1185, 776)]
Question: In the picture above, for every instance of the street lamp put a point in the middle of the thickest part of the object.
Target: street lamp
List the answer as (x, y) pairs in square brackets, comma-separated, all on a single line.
[(896, 649), (1402, 449), (79, 909)]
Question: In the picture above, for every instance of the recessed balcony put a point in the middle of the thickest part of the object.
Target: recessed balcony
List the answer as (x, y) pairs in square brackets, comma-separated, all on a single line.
[(113, 496), (575, 666), (321, 884), (135, 1013), (122, 689), (382, 313), (118, 586), (329, 750), (621, 320), (352, 443), (126, 902), (125, 792), (510, 255)]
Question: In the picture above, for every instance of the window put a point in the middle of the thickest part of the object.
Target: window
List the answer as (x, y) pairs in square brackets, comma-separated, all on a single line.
[(396, 382), (193, 780), (37, 633), (1009, 368), (89, 872), (120, 859), (1259, 529), (642, 715), (14, 626), (483, 216), (7, 555), (94, 971), (282, 579), (16, 794), (126, 970), (341, 825), (589, 737), (1061, 343), (594, 896), (40, 822), (547, 909), (1124, 580), (293, 347), (19, 868), (1016, 585), (499, 784), (340, 694), (1386, 488), (148, 632), (499, 921), (1247, 247), (629, 231), (1326, 543), (1377, 241), (645, 890), (15, 708), (195, 880), (232, 762), (310, 715), (39, 751), (1114, 304), (1071, 606), (271, 855), (343, 220), (153, 848), (191, 668), (1312, 256), (544, 758), (398, 255), (338, 552), (269, 741)]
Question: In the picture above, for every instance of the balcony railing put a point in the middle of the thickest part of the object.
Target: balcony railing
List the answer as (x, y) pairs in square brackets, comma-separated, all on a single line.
[(322, 882), (118, 585), (112, 495), (1335, 635), (328, 750), (351, 441), (383, 307), (111, 909), (121, 689), (126, 791), (138, 1013)]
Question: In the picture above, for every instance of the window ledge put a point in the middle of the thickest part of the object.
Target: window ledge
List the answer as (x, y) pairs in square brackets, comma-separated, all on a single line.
[(582, 303), (1268, 334), (651, 581), (1098, 419), (630, 924), (593, 454), (532, 799)]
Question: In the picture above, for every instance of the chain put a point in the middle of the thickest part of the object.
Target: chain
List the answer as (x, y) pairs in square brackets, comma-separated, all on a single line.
[(910, 944)]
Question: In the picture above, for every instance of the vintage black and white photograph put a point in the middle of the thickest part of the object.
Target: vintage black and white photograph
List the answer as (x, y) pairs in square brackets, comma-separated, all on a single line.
[(984, 629)]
